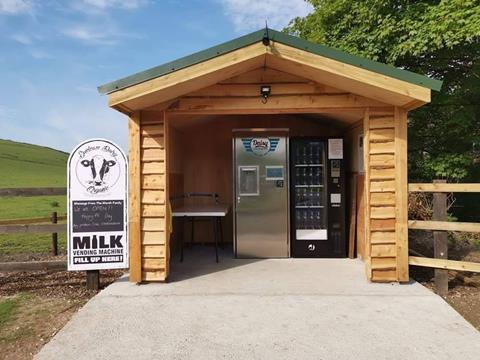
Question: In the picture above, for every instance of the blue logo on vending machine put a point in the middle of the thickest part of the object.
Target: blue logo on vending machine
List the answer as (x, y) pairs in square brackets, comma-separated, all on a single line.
[(260, 146)]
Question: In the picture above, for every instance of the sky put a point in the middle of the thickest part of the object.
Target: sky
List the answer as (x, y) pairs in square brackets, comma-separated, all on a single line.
[(54, 54)]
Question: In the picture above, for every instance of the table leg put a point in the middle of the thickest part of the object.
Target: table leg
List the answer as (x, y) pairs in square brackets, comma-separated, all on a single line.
[(182, 241), (221, 231), (192, 234), (215, 231)]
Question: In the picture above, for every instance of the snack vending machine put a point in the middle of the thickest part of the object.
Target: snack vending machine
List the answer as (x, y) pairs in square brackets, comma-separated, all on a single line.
[(317, 197)]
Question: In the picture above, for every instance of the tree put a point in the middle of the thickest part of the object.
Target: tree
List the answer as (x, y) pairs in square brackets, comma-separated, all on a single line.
[(440, 39)]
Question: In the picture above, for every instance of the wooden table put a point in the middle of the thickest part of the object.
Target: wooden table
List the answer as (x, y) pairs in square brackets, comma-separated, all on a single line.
[(214, 211)]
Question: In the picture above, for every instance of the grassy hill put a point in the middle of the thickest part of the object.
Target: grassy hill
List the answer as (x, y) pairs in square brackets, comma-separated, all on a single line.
[(26, 165)]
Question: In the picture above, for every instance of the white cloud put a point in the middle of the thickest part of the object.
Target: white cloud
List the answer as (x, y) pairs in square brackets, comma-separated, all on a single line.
[(14, 7), (100, 6), (22, 39), (90, 35), (40, 54), (248, 15), (123, 4)]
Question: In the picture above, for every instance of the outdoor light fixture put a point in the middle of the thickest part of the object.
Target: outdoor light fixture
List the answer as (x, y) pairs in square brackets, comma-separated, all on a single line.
[(265, 91)]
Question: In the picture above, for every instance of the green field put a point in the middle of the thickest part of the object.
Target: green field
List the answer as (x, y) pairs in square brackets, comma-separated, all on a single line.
[(26, 165)]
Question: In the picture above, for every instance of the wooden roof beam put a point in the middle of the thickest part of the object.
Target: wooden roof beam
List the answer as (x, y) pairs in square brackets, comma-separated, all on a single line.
[(275, 105)]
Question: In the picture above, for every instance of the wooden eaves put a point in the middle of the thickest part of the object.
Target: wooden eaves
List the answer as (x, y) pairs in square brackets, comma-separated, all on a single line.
[(376, 81)]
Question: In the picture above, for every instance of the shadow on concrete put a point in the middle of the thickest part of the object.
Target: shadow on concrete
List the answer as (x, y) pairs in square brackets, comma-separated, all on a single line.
[(199, 260)]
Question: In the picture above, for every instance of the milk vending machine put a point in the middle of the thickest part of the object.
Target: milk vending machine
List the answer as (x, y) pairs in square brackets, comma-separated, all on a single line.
[(261, 222), (317, 197)]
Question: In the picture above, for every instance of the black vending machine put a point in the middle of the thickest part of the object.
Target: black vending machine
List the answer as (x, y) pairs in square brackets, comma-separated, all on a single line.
[(317, 180)]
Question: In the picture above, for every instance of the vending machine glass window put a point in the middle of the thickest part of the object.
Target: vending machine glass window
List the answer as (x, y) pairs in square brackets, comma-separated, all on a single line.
[(309, 185), (317, 196)]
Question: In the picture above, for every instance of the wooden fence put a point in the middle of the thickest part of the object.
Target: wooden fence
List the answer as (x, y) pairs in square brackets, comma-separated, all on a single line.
[(440, 226), (32, 225)]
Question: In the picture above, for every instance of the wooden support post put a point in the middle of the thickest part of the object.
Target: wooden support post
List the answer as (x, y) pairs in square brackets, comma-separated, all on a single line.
[(54, 235), (93, 280), (440, 240), (134, 195), (401, 194)]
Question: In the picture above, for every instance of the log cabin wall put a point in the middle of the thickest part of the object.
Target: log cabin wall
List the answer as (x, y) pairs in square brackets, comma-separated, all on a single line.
[(386, 194), (189, 152)]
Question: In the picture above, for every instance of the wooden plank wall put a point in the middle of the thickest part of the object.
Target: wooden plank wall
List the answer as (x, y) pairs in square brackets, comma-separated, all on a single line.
[(385, 159), (352, 147), (153, 209)]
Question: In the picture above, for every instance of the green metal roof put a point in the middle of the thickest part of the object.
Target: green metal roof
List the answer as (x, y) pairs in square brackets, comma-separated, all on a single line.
[(276, 36)]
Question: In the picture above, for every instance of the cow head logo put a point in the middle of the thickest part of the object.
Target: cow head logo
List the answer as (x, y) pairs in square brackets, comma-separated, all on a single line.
[(100, 168), (97, 172)]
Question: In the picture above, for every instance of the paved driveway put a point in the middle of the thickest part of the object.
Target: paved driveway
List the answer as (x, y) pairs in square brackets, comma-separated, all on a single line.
[(265, 309)]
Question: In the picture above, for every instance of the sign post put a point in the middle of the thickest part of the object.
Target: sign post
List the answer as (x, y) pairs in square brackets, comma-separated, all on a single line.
[(97, 209)]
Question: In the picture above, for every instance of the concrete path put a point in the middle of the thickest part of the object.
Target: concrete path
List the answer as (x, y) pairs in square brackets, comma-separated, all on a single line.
[(265, 309)]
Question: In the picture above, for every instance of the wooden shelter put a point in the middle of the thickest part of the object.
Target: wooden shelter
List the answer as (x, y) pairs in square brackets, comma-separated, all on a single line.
[(181, 116)]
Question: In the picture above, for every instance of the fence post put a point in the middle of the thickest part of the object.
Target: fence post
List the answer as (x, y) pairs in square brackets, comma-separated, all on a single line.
[(93, 279), (440, 240), (54, 235)]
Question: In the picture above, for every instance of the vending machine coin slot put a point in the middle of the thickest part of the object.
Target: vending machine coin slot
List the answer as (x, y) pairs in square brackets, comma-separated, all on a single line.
[(335, 168)]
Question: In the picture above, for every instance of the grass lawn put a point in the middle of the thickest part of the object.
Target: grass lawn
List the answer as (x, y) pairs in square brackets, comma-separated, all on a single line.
[(8, 308), (15, 244), (16, 207)]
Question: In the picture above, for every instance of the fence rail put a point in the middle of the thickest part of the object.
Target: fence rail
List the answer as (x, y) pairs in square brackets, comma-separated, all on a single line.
[(444, 264), (28, 228), (440, 226), (36, 220), (33, 191), (56, 265), (444, 187), (443, 225)]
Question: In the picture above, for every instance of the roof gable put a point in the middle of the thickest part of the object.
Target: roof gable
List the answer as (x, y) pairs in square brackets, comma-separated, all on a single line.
[(278, 37)]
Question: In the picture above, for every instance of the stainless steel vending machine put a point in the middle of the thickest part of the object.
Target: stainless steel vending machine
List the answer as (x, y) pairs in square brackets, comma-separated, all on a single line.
[(317, 193), (261, 203)]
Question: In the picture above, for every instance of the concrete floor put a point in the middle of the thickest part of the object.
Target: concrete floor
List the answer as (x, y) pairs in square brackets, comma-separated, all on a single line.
[(265, 309)]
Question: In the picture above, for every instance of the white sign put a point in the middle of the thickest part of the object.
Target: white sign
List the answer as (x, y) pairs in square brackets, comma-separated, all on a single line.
[(97, 206), (335, 148)]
